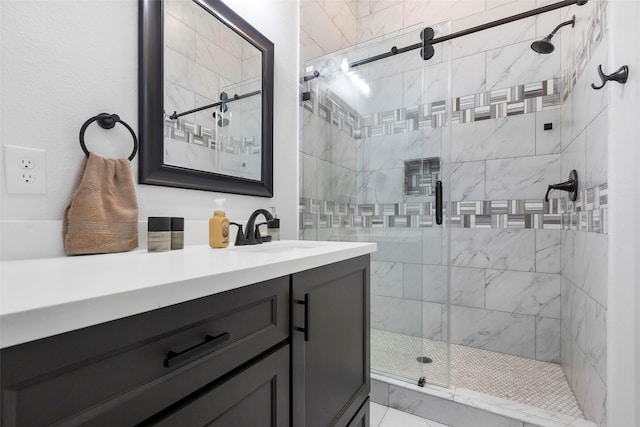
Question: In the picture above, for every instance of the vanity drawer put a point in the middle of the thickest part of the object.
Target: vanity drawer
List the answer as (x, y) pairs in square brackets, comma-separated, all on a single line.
[(83, 376)]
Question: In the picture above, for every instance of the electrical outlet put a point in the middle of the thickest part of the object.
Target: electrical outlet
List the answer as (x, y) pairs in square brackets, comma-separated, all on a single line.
[(25, 170), (26, 163), (27, 178)]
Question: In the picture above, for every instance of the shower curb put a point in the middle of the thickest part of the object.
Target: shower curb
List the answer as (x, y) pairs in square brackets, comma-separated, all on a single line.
[(458, 407)]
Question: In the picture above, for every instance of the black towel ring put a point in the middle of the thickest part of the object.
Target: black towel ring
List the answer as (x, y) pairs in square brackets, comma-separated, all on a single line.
[(107, 121)]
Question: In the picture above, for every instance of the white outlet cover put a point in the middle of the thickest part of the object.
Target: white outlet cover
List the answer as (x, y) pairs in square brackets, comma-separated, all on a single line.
[(14, 159)]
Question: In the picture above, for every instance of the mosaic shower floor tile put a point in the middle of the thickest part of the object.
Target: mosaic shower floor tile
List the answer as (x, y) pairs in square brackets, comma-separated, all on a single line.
[(532, 382)]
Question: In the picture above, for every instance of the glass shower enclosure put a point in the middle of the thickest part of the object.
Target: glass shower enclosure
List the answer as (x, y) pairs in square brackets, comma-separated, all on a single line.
[(374, 167)]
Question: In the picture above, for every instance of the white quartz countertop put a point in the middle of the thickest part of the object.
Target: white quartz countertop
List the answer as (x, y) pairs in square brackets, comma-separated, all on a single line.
[(45, 297)]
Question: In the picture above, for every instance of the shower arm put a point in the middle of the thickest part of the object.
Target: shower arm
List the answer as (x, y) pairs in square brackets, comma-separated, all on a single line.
[(396, 50), (206, 107), (572, 22)]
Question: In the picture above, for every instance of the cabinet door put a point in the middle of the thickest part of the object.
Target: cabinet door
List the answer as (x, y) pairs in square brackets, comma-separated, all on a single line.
[(330, 350), (256, 396)]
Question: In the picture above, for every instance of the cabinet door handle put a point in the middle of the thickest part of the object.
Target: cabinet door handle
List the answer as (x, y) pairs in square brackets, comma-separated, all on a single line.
[(209, 343), (439, 202), (307, 308)]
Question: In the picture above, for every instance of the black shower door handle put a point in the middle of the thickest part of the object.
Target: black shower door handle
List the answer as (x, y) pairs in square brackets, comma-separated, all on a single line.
[(439, 202)]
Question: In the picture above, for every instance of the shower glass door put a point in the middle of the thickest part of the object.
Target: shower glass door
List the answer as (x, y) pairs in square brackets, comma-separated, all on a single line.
[(374, 148)]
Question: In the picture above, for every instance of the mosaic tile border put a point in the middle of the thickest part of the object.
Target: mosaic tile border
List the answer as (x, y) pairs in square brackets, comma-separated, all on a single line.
[(500, 103), (589, 213), (193, 133), (590, 39)]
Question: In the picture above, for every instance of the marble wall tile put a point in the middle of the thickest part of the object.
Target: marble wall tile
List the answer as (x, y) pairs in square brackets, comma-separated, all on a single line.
[(317, 24), (338, 148), (517, 64), (396, 315), (379, 23), (435, 279), (443, 410), (432, 241), (381, 186), (506, 249), (431, 12), (435, 78), (431, 143), (584, 262), (548, 339), (468, 181), (468, 287), (596, 337), (412, 87), (586, 102), (309, 49), (386, 94), (177, 98), (343, 18), (386, 278), (548, 141), (432, 321), (387, 152), (492, 330), (218, 60), (308, 166), (503, 35), (596, 151), (180, 37), (573, 157), (595, 402), (397, 245), (522, 178), (204, 82), (177, 69), (412, 281), (184, 11), (513, 136), (523, 292), (548, 251), (573, 311)]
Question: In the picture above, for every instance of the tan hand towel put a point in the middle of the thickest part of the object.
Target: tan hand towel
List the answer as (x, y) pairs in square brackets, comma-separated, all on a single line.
[(103, 214)]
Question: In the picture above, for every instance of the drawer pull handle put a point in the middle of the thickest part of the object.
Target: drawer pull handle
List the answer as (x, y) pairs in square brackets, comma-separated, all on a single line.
[(209, 343), (307, 309)]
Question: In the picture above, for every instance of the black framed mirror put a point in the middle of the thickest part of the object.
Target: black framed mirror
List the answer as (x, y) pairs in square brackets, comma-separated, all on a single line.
[(205, 81)]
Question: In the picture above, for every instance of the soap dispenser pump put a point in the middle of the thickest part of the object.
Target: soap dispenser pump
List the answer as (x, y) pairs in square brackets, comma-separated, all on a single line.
[(219, 226)]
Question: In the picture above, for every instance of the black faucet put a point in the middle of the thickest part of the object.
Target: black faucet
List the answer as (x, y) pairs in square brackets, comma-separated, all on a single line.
[(251, 236)]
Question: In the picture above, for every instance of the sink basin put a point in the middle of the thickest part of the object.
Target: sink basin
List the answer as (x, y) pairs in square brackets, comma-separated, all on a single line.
[(277, 247)]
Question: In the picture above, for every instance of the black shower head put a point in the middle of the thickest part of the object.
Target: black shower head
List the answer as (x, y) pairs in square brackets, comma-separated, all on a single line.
[(545, 45)]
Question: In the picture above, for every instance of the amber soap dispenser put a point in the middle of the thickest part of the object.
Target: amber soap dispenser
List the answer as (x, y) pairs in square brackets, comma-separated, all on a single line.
[(219, 226)]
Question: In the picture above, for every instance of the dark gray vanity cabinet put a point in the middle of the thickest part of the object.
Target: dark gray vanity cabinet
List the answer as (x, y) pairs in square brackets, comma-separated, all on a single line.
[(159, 366), (292, 351), (330, 344)]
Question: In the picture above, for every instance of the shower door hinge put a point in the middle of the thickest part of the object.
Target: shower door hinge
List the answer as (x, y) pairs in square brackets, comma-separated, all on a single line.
[(422, 381), (306, 96)]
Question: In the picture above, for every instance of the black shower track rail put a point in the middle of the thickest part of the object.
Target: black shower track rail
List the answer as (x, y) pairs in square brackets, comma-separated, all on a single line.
[(215, 104), (396, 50)]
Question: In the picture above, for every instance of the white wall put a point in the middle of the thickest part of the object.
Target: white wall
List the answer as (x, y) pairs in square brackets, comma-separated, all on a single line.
[(65, 61), (624, 234)]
